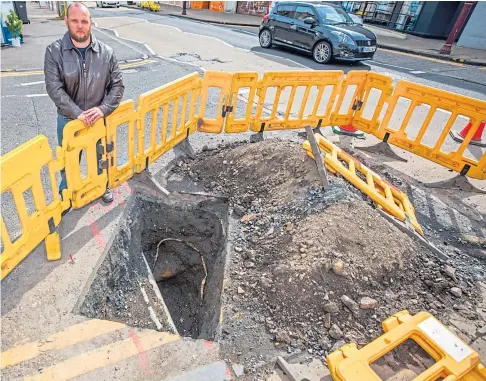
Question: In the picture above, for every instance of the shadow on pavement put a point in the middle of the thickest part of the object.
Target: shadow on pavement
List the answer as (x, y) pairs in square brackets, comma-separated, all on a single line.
[(35, 267)]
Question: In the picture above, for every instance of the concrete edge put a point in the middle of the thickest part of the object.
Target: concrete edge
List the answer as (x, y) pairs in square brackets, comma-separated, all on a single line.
[(432, 55)]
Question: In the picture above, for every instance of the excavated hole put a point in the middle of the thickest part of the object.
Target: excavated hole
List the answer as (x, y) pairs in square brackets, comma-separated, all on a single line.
[(164, 269)]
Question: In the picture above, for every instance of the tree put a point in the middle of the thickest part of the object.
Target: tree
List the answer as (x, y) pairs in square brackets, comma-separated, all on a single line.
[(14, 24)]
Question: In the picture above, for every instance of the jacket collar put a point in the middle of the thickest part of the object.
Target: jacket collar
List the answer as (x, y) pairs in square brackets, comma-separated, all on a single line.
[(67, 44)]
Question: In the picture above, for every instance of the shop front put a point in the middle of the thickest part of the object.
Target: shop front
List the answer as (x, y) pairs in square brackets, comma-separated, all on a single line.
[(253, 8), (415, 17)]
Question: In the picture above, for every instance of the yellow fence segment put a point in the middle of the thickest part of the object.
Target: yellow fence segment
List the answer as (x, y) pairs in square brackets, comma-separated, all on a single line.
[(443, 110), (377, 89), (391, 199), (243, 88), (173, 106), (350, 98), (214, 82), (22, 172), (454, 359), (290, 91), (120, 169), (78, 139)]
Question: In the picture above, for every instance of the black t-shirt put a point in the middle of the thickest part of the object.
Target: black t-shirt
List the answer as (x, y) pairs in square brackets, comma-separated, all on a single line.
[(83, 52)]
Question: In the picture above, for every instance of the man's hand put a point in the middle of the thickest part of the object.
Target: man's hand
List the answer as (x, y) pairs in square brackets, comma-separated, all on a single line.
[(92, 115), (82, 118)]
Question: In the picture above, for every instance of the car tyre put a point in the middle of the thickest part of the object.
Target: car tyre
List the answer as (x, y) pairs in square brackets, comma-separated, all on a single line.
[(265, 38), (322, 52)]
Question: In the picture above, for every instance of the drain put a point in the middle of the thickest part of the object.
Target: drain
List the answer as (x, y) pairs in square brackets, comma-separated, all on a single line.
[(164, 268)]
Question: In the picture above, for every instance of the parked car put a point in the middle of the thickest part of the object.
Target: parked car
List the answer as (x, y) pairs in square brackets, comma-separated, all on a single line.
[(103, 4), (325, 30)]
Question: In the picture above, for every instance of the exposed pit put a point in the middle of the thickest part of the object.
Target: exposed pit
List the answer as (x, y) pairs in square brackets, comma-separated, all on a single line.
[(164, 267)]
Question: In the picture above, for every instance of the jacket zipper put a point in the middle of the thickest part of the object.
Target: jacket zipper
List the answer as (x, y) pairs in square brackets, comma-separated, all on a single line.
[(83, 67)]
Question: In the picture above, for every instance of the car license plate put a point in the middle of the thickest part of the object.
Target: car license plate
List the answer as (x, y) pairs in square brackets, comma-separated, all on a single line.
[(369, 49)]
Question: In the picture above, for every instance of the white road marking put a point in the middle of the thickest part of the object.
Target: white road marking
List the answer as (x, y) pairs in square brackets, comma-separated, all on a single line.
[(417, 72), (215, 38), (36, 95), (31, 83), (123, 43)]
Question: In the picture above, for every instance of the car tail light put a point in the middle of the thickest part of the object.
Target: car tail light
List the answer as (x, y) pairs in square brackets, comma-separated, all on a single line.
[(265, 18)]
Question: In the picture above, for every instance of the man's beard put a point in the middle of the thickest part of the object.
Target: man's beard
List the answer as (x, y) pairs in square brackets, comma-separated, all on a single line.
[(80, 39)]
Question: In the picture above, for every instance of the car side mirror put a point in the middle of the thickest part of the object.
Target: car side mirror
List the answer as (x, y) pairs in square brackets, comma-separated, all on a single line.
[(310, 21)]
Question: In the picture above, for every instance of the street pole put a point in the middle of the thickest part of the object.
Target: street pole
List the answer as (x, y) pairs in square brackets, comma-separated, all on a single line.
[(446, 49), (184, 5)]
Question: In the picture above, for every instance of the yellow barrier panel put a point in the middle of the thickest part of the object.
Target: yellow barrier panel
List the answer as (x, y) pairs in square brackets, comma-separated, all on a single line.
[(437, 100), (79, 138), (454, 359), (377, 89), (278, 81), (214, 80), (177, 102), (247, 84), (391, 199), (350, 98), (21, 171), (124, 114)]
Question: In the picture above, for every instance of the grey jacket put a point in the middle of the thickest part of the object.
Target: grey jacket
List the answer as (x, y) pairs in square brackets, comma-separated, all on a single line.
[(75, 87)]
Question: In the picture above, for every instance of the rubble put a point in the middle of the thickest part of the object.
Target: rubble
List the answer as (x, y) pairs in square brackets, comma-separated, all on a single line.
[(330, 259)]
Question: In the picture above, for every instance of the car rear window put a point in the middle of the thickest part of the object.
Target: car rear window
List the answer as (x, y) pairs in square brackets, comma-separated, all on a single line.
[(285, 10), (301, 13)]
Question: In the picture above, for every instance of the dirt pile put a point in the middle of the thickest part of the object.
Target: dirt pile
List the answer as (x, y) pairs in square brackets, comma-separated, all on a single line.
[(314, 269)]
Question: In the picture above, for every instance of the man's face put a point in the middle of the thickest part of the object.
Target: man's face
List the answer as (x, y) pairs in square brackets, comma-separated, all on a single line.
[(79, 24)]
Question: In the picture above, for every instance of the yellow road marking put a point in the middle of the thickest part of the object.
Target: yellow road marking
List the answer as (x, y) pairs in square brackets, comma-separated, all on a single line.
[(423, 57), (41, 72), (101, 357), (72, 335)]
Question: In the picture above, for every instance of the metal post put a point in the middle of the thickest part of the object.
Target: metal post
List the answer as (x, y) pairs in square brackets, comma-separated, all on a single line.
[(446, 49), (184, 6)]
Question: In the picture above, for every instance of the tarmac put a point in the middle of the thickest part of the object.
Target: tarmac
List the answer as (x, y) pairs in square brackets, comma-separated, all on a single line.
[(387, 38)]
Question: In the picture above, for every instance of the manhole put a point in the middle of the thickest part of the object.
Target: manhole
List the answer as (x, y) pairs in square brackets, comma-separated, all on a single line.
[(164, 267)]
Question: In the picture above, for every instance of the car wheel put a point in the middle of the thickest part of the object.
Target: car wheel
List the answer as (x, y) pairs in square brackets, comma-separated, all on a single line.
[(266, 39), (322, 52)]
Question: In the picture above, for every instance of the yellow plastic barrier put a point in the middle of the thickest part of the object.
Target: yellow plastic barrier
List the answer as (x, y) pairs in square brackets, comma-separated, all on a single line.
[(372, 103), (214, 80), (350, 98), (456, 105), (454, 359), (391, 199), (278, 81), (78, 138), (248, 84), (21, 171), (124, 114), (172, 98)]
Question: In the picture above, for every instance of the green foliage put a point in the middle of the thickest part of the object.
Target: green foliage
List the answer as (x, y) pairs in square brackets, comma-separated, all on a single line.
[(14, 24)]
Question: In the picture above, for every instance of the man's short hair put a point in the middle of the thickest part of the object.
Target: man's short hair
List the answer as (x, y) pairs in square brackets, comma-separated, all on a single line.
[(76, 4)]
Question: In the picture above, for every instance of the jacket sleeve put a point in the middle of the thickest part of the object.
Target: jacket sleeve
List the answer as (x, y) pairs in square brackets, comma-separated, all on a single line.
[(115, 88), (55, 88)]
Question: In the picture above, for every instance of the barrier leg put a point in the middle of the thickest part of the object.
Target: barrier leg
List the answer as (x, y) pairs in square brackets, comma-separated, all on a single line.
[(476, 139), (459, 182), (184, 148), (53, 246), (383, 148), (258, 137), (146, 178), (348, 130), (315, 130)]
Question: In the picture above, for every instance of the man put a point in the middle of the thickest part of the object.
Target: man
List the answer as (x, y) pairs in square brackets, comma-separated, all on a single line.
[(82, 77)]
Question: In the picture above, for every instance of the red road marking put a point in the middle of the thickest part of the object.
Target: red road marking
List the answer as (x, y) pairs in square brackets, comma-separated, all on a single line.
[(100, 240), (141, 352)]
